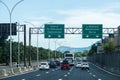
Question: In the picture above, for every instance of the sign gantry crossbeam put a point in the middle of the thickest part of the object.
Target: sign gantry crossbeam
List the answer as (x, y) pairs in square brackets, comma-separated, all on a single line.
[(40, 30), (20, 28)]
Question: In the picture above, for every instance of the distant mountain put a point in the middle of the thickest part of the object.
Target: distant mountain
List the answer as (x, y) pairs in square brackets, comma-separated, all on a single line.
[(66, 48)]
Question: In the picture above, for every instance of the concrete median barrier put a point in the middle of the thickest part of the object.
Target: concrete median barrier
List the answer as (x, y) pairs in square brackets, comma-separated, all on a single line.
[(17, 70), (24, 69), (35, 67), (3, 72), (10, 71), (30, 68)]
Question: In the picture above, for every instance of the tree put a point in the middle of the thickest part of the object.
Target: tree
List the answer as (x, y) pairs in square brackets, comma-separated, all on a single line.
[(109, 47), (78, 54), (93, 50), (85, 53)]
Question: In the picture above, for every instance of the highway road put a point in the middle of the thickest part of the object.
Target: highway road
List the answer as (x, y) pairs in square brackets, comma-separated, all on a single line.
[(73, 74)]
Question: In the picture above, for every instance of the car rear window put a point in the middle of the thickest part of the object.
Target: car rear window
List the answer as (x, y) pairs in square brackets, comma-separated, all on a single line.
[(65, 62), (43, 63)]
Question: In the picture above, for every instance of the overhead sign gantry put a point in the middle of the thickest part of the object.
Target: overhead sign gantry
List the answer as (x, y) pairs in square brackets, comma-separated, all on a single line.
[(92, 31)]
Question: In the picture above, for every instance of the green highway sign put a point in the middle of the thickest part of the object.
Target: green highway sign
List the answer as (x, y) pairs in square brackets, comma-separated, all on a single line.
[(92, 31), (54, 31)]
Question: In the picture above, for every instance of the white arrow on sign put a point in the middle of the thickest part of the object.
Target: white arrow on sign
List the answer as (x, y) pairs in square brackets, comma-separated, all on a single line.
[(87, 36), (97, 36), (49, 36), (59, 36)]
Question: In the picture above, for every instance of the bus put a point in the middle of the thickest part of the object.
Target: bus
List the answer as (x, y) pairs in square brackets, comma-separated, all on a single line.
[(70, 58)]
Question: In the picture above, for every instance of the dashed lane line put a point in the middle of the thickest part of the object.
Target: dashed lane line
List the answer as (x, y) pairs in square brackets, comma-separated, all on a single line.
[(38, 75), (68, 73), (65, 75), (94, 75), (47, 72), (71, 69)]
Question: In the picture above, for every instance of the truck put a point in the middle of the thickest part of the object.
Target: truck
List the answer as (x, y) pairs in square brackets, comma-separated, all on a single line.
[(70, 58)]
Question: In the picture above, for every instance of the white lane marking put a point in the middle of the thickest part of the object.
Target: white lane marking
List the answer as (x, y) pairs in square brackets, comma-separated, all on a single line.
[(59, 79), (23, 79), (68, 73), (94, 75), (71, 69), (90, 73), (53, 70), (65, 75), (99, 79), (38, 75), (47, 72), (105, 70)]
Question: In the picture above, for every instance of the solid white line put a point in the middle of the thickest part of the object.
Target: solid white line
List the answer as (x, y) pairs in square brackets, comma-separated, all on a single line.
[(106, 71)]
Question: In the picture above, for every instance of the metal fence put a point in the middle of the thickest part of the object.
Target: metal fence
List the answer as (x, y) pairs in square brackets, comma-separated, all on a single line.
[(109, 61)]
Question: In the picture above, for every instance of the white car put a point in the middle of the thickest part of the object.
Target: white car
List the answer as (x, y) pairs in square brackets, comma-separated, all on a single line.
[(78, 64), (85, 65), (44, 65)]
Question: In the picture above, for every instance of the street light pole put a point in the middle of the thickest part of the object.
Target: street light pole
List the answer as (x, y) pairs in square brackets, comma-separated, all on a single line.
[(37, 50), (49, 49), (36, 43), (10, 15), (55, 48)]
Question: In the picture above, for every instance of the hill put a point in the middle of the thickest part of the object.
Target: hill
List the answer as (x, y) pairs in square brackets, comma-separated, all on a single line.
[(66, 48)]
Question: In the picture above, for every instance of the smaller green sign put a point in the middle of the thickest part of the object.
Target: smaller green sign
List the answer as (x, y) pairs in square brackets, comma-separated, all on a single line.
[(54, 31), (92, 31)]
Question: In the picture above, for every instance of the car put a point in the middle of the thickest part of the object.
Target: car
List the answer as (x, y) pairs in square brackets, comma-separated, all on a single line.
[(65, 65), (52, 64), (57, 62), (78, 64), (44, 65), (85, 65)]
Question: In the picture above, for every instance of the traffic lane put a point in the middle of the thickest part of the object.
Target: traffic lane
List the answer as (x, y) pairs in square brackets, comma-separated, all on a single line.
[(100, 74), (78, 74), (29, 75), (54, 75)]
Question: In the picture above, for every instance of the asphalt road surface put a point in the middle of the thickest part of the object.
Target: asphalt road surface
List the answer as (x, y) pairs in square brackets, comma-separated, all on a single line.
[(73, 74)]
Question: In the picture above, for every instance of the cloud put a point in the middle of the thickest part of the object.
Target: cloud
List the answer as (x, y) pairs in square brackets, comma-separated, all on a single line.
[(111, 7), (78, 17)]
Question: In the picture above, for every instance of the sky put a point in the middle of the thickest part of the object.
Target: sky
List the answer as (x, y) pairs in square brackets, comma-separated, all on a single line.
[(72, 13)]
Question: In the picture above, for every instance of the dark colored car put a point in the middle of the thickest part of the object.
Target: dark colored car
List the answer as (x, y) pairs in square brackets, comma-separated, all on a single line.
[(65, 65), (57, 62), (52, 64)]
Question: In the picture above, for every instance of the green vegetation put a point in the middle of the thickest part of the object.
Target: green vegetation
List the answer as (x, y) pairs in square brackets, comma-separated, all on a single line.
[(109, 47), (5, 50), (93, 50), (78, 54)]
